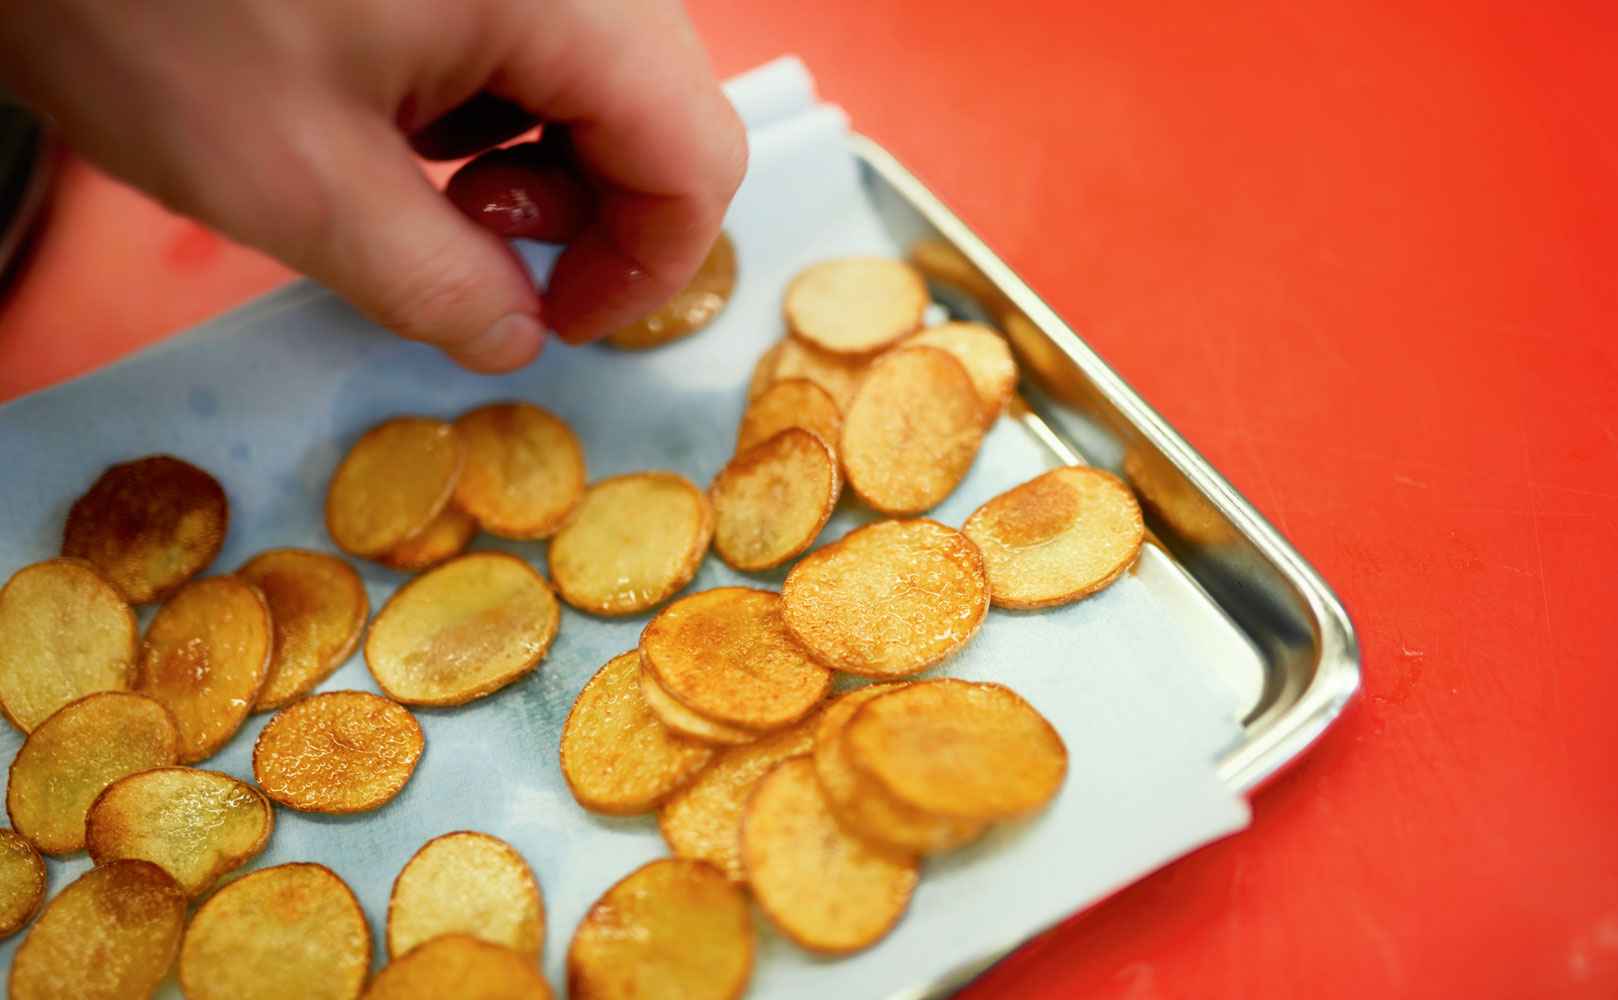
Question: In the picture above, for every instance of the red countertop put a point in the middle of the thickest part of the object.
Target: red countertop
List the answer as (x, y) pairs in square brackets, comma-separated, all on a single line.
[(1363, 255)]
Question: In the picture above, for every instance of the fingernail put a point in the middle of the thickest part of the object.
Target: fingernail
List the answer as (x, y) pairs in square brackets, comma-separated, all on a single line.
[(510, 342)]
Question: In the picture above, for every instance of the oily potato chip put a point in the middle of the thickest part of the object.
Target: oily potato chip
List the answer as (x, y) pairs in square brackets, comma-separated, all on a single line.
[(524, 469), (466, 883), (390, 486), (889, 599), (290, 931), (318, 606), (942, 263), (446, 537), (111, 935), (64, 633), (462, 631), (791, 358), (195, 825), (70, 757), (771, 501), (985, 356), (148, 525), (825, 888), (205, 658), (793, 402), (912, 431), (974, 751), (1058, 537), (617, 756), (673, 928), (692, 308), (684, 722), (22, 881), (339, 752), (463, 967), (631, 543), (856, 305)]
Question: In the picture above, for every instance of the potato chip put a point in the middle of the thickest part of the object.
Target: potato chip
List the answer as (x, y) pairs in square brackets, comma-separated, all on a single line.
[(725, 654), (974, 751), (793, 402), (70, 757), (466, 883), (148, 525), (631, 543), (289, 931), (206, 656), (940, 262), (791, 358), (912, 431), (390, 486), (446, 537), (22, 881), (463, 967), (524, 469), (672, 928), (111, 935), (684, 722), (64, 633), (764, 370), (889, 599), (617, 756), (1058, 537), (825, 888), (771, 501), (692, 308), (462, 631), (856, 305), (339, 752), (318, 606), (195, 825), (985, 356)]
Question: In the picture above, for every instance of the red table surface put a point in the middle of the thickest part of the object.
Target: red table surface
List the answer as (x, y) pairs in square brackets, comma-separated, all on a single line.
[(1362, 255)]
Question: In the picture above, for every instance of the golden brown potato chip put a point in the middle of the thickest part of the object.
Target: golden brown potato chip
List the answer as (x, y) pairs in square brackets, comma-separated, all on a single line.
[(692, 308), (631, 543), (617, 756), (195, 825), (289, 931), (684, 722), (839, 375), (1058, 537), (725, 654), (446, 537), (974, 751), (22, 881), (771, 501), (912, 431), (889, 599), (524, 469), (318, 606), (985, 356), (793, 402), (206, 655), (463, 967), (148, 525), (856, 305), (339, 752), (111, 935), (764, 370), (942, 263), (462, 631), (673, 928), (64, 633), (825, 888), (466, 883), (392, 483), (71, 756)]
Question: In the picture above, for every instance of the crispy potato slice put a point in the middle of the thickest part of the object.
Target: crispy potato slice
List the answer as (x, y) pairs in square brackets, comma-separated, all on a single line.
[(684, 722), (975, 751), (792, 402), (825, 888), (462, 631), (1058, 537), (985, 356), (206, 656), (889, 599), (771, 501), (390, 486), (195, 825), (524, 469), (791, 358), (460, 966), (64, 633), (856, 305), (617, 756), (912, 431), (446, 537), (692, 308), (22, 881), (318, 606), (673, 928), (631, 543), (289, 931), (148, 525), (942, 263), (339, 752), (725, 653), (764, 370), (111, 935), (80, 750), (466, 883)]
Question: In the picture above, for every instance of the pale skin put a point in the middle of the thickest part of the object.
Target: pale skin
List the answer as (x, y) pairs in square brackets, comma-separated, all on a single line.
[(294, 125)]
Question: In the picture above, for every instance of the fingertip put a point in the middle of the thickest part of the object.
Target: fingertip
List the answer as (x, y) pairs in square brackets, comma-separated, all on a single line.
[(509, 343)]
